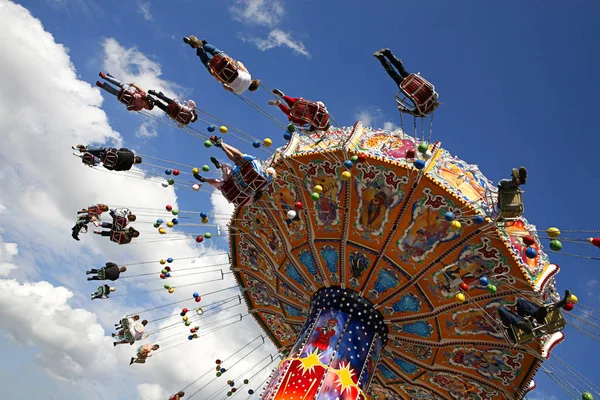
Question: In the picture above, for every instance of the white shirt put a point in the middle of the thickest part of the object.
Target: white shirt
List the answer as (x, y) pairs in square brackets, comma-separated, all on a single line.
[(241, 83), (137, 331)]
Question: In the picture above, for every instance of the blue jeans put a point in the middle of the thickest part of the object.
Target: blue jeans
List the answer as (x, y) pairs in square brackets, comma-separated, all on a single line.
[(115, 82), (210, 49), (524, 308), (97, 151)]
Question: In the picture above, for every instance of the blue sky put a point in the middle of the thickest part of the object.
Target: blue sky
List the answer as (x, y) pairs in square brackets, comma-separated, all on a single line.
[(517, 81)]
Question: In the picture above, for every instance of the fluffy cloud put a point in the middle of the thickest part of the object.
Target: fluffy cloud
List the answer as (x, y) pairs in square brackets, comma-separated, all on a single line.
[(7, 252), (373, 116), (258, 12), (131, 65), (143, 7), (72, 344), (44, 184), (277, 38)]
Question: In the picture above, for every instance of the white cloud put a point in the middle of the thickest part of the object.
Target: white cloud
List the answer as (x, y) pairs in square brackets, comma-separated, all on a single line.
[(144, 9), (540, 395), (147, 391), (7, 252), (223, 210), (258, 12), (40, 118), (590, 287), (373, 116), (147, 130), (366, 116), (71, 343), (131, 65), (277, 38), (390, 126)]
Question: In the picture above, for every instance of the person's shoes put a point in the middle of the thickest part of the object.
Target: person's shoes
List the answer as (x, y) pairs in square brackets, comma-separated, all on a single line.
[(278, 92), (381, 52), (114, 344), (152, 92), (216, 162), (193, 41), (132, 360), (113, 335), (75, 235), (199, 177), (88, 272), (564, 301), (102, 75), (203, 41), (216, 141), (90, 279), (99, 84), (522, 175), (515, 176), (274, 102)]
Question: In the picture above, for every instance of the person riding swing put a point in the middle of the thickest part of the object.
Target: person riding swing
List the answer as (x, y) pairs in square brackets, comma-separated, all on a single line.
[(418, 97), (233, 75)]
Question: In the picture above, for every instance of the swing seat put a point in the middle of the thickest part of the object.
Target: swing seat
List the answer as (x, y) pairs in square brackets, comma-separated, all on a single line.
[(555, 321), (116, 236), (179, 113), (223, 68), (126, 97), (241, 186), (110, 158), (524, 337), (510, 203), (417, 96), (311, 113), (88, 159), (120, 223)]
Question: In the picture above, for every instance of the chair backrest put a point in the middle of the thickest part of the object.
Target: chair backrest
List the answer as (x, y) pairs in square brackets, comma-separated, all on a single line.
[(125, 97), (510, 203), (110, 158), (223, 68), (242, 185), (523, 337), (311, 113), (555, 321), (421, 94)]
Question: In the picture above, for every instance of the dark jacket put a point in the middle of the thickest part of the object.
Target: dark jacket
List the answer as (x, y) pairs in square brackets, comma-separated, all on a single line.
[(125, 158), (111, 271)]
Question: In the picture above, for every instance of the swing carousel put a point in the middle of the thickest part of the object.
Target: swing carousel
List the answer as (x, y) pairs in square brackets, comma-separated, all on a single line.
[(374, 262)]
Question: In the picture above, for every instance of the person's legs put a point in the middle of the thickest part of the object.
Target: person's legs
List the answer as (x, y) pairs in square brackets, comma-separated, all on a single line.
[(161, 105), (232, 153), (527, 308), (107, 225), (390, 70), (200, 52), (286, 110), (397, 63), (290, 100), (507, 184), (216, 183), (212, 50), (509, 318), (96, 151), (108, 88), (93, 278), (92, 271), (105, 233), (111, 79)]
